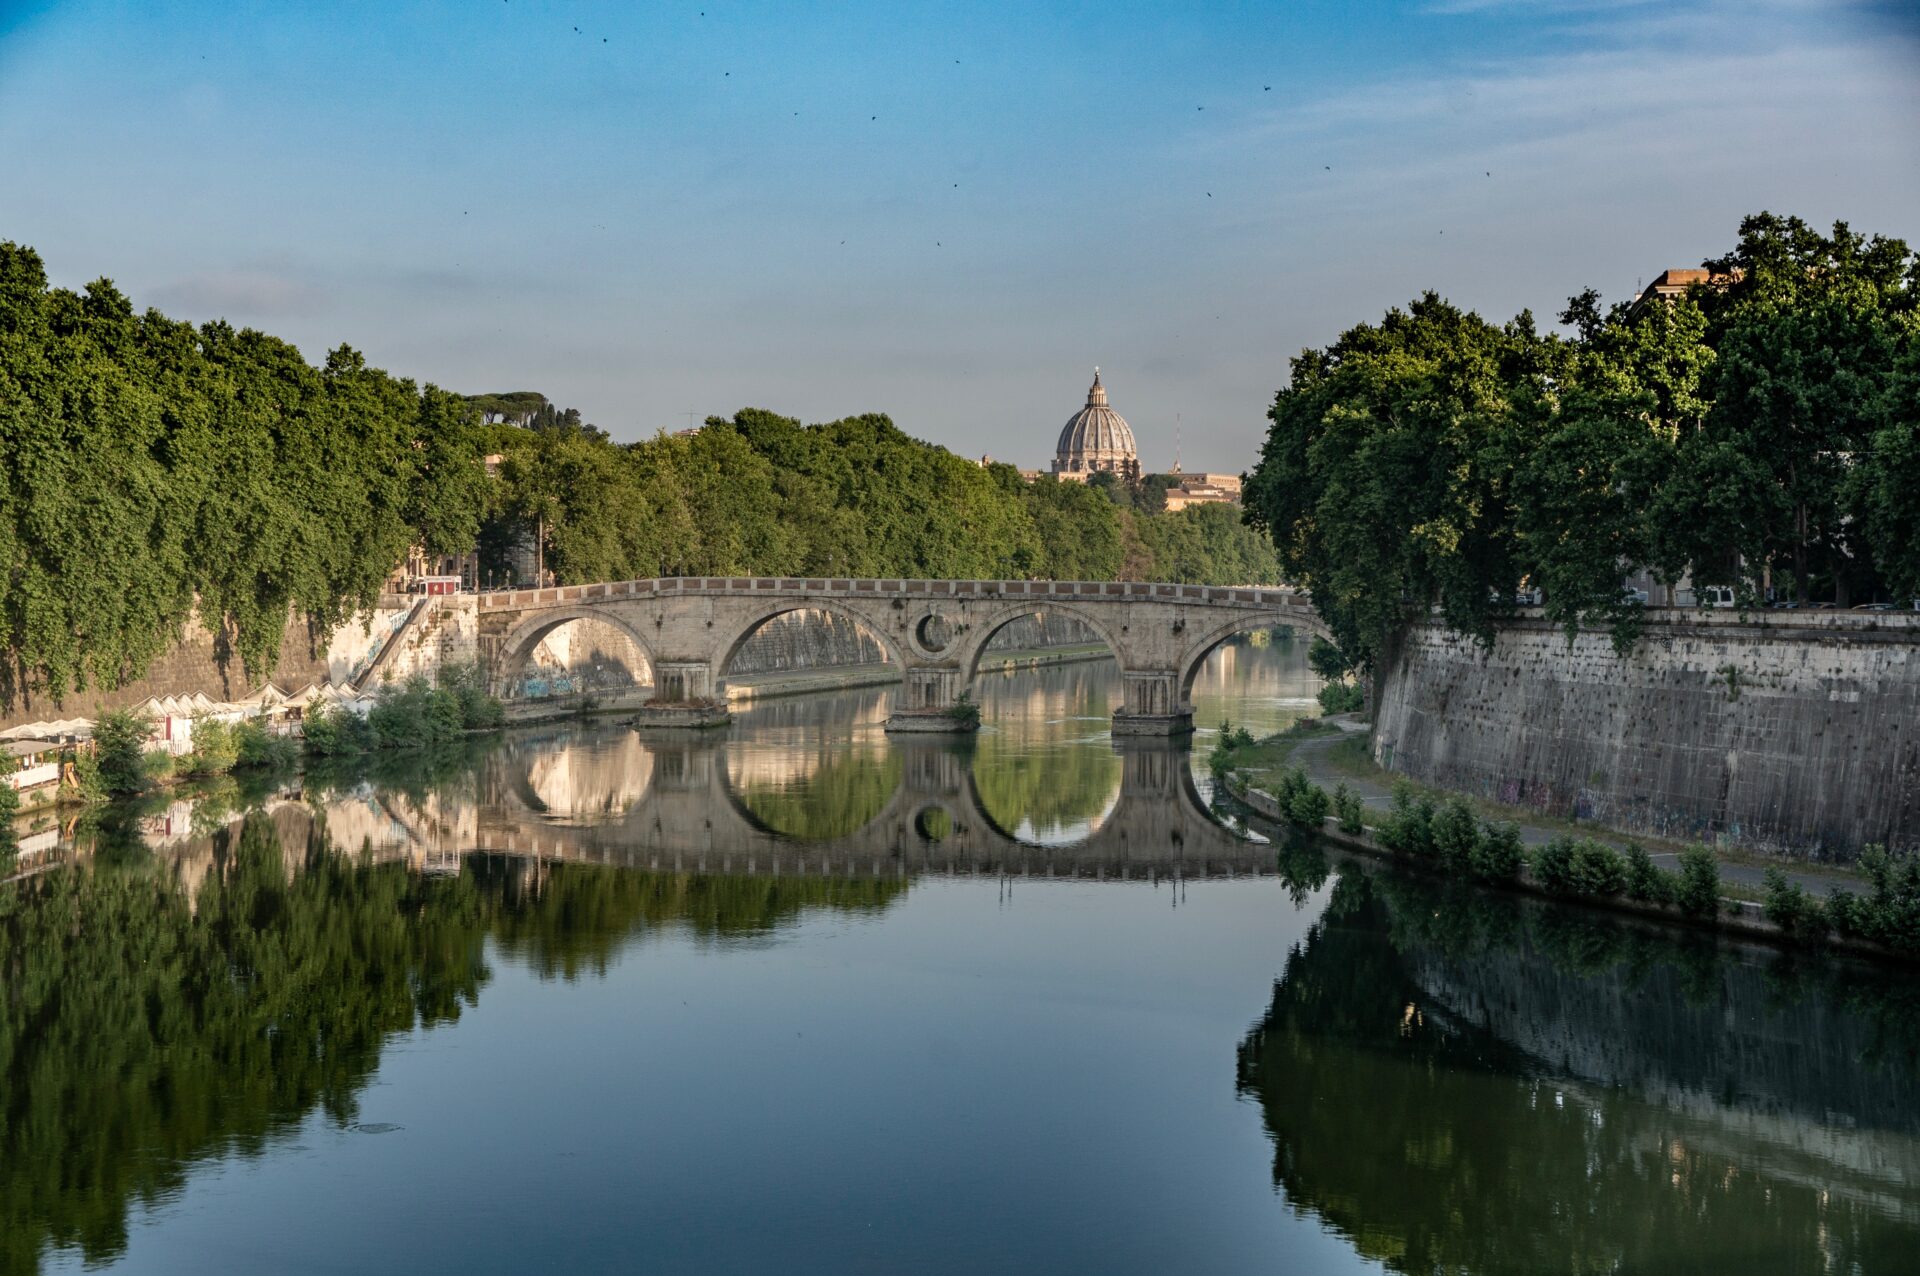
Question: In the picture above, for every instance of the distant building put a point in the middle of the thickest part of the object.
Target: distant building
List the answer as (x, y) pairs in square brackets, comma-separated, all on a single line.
[(1670, 284), (1185, 489), (1096, 440)]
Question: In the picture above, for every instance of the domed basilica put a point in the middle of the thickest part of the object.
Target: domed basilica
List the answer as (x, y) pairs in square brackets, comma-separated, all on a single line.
[(1095, 440)]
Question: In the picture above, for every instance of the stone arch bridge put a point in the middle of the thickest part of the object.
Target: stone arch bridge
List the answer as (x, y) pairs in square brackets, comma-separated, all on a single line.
[(689, 628)]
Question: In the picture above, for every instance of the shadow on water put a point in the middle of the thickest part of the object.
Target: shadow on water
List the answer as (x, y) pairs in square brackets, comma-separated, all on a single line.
[(1466, 1082)]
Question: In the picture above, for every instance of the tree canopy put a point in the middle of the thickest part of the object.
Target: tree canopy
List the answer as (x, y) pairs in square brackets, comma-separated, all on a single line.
[(1761, 431), (152, 470), (148, 467)]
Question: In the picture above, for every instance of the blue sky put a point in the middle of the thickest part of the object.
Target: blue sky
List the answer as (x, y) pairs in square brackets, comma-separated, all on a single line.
[(949, 213)]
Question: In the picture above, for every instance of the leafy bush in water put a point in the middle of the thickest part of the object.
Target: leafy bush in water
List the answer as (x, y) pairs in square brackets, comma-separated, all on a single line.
[(1307, 804), (1889, 912), (1698, 890), (481, 712), (1224, 744), (1348, 810), (1408, 827), (1456, 835), (414, 715), (1791, 908), (215, 748), (331, 732), (1498, 855), (255, 746), (1598, 869), (120, 745), (1553, 865), (1581, 866), (1645, 879), (1341, 697), (1291, 794)]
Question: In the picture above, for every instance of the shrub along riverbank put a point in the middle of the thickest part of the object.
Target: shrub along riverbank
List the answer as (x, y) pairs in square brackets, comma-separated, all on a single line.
[(1449, 838), (410, 715)]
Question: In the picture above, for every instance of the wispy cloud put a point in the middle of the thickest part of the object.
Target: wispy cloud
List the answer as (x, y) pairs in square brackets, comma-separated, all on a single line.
[(239, 294)]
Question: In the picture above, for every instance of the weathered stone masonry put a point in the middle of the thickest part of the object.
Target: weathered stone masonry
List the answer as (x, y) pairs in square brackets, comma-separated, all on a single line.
[(1783, 731)]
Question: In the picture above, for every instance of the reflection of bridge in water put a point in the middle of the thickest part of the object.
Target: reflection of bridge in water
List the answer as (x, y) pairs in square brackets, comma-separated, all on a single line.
[(672, 806)]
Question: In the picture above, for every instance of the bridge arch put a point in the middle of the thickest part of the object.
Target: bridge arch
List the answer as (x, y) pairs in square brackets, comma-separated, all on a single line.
[(1196, 653), (973, 644), (759, 617), (517, 647)]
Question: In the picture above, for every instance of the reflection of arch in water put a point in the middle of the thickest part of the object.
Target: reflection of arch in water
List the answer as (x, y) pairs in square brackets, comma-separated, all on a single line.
[(512, 679), (1051, 797), (723, 667), (693, 820), (831, 800), (597, 777)]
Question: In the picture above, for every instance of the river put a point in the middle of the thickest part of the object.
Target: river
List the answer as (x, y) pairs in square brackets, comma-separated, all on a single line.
[(801, 998)]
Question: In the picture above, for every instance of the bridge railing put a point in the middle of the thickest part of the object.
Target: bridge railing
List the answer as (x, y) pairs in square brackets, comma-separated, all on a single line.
[(830, 586)]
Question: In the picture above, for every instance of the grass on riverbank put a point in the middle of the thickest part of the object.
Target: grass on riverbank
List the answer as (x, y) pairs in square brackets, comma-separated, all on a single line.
[(1264, 762)]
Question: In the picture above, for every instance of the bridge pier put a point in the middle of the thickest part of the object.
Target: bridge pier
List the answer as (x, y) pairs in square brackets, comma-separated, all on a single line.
[(1152, 705), (683, 696), (929, 702)]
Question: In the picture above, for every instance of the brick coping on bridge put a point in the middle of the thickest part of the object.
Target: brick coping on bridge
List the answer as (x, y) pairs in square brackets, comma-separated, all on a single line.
[(675, 586), (1894, 625)]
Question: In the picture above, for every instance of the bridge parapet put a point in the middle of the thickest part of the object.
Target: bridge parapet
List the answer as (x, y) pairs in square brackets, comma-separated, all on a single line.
[(902, 587)]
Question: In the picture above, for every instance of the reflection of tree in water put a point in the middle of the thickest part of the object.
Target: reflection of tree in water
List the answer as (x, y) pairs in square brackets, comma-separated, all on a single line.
[(835, 799), (1737, 1129), (566, 919), (143, 1029)]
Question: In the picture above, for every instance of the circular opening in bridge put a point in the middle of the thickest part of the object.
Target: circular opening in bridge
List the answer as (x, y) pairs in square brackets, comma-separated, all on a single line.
[(933, 824), (934, 632)]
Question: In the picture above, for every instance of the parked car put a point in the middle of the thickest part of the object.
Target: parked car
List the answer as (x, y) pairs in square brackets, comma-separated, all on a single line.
[(1528, 597), (1874, 607), (1631, 595), (1713, 596)]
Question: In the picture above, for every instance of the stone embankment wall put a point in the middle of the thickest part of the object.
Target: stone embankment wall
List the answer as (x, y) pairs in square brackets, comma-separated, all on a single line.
[(1795, 732), (443, 633), (198, 662)]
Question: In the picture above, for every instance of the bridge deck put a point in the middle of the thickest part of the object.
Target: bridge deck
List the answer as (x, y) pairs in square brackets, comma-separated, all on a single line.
[(906, 587)]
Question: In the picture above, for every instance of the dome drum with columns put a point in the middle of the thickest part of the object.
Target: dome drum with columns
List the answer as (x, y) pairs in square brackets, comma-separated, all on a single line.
[(1096, 440)]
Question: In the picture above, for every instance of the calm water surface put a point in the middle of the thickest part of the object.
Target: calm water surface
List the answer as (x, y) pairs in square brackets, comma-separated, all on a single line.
[(805, 999)]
